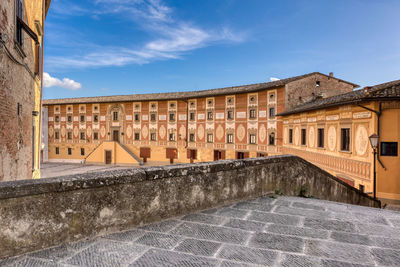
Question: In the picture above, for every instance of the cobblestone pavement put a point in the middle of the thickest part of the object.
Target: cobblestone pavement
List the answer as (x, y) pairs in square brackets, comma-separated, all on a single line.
[(286, 231)]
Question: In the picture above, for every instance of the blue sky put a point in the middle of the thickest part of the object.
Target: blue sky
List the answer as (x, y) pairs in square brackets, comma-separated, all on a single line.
[(108, 47)]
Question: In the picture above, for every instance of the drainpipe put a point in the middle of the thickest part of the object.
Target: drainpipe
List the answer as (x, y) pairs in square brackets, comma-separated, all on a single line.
[(378, 114)]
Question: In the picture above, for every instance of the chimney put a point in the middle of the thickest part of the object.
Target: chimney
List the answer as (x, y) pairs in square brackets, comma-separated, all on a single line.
[(330, 74)]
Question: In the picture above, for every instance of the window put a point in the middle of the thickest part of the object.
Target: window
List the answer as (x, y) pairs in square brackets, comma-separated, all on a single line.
[(82, 118), (153, 106), (253, 139), (57, 118), (95, 136), (137, 106), (229, 115), (253, 114), (69, 118), (19, 109), (192, 137), (172, 117), (272, 112), (345, 139), (57, 135), (137, 117), (69, 135), (389, 149), (290, 136), (19, 13), (69, 108), (210, 138), (252, 99), (271, 98), (153, 117), (229, 138), (210, 115), (321, 138), (69, 151), (230, 100), (57, 150), (82, 108), (171, 137), (153, 137), (271, 140), (96, 108), (82, 151), (303, 137), (82, 135), (96, 118), (192, 104), (210, 102), (172, 105), (137, 136), (115, 115), (192, 116)]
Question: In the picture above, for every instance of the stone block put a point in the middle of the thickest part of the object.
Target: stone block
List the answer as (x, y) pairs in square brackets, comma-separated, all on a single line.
[(198, 247), (127, 236), (245, 225), (297, 231), (248, 255), (334, 225), (274, 218), (163, 226), (302, 205), (159, 240), (215, 233), (203, 218), (155, 257), (253, 206), (338, 251), (278, 242), (386, 242), (289, 260), (346, 237), (234, 213), (386, 257), (334, 263), (303, 212)]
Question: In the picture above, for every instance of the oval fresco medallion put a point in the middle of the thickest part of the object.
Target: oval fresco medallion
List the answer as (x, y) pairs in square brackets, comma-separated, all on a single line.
[(200, 131), (240, 132), (361, 140), (219, 133), (332, 138), (311, 136), (262, 132), (145, 131), (129, 131), (162, 131)]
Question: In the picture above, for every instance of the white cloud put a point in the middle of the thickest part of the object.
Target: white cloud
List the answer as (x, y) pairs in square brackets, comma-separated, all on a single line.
[(173, 37), (272, 79), (67, 83)]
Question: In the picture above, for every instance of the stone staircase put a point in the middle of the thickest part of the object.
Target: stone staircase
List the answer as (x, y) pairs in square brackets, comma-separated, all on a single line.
[(120, 154)]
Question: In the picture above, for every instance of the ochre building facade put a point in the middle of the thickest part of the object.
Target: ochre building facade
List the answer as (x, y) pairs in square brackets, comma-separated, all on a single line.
[(21, 56), (333, 133), (226, 123)]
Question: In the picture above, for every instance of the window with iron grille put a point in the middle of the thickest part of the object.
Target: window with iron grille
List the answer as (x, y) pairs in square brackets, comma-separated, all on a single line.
[(95, 136), (210, 138), (272, 112), (95, 118), (321, 137), (229, 138), (57, 150), (153, 117), (57, 118), (115, 115), (82, 118), (253, 114), (82, 151), (192, 116), (290, 136), (171, 137), (172, 117), (153, 137), (229, 115), (69, 135), (192, 137), (303, 137), (57, 135), (253, 139), (345, 139), (82, 135), (137, 136), (210, 115), (69, 151), (69, 118), (137, 117), (271, 139)]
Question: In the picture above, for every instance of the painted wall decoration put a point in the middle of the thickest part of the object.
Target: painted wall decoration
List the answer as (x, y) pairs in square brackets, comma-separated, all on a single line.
[(361, 140), (162, 131), (182, 132), (296, 136), (62, 131), (129, 131), (240, 132), (145, 131), (103, 131), (89, 131), (219, 133), (262, 133), (200, 131), (51, 131), (311, 137), (285, 135), (76, 131), (332, 138)]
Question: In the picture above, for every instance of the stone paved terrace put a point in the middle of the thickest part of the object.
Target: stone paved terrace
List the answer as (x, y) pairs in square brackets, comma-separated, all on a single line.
[(282, 231)]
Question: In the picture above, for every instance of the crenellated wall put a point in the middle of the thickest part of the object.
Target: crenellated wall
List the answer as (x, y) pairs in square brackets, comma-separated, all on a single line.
[(35, 214)]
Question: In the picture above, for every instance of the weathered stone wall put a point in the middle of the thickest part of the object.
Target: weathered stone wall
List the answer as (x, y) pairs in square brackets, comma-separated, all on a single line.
[(40, 213)]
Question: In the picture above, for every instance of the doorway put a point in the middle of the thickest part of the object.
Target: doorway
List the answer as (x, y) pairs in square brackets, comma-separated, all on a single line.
[(116, 135), (108, 157), (219, 154)]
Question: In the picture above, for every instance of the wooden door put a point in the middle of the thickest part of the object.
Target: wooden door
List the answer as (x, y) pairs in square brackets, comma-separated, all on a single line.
[(116, 135), (108, 157)]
